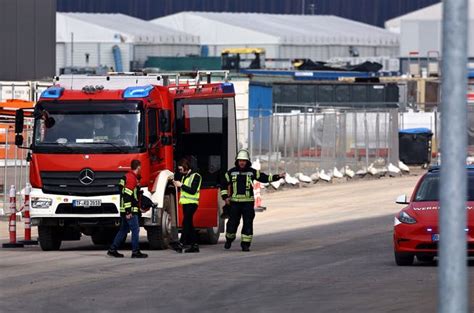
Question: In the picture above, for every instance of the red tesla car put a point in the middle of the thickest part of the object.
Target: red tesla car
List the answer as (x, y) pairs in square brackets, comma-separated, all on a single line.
[(415, 231)]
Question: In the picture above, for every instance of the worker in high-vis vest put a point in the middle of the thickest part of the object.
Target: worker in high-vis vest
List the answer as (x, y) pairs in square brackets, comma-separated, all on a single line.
[(237, 190), (129, 212), (190, 186)]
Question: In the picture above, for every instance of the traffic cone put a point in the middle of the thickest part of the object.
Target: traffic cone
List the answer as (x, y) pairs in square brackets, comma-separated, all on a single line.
[(258, 197), (26, 209), (12, 222)]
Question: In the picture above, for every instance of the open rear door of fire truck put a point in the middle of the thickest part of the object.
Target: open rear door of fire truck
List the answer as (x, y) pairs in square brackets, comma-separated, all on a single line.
[(206, 135)]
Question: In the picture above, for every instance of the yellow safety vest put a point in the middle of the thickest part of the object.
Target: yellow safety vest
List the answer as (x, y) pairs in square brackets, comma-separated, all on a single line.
[(187, 198)]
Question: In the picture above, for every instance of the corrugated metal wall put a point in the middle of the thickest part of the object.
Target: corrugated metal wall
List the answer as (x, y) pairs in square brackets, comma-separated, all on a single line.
[(144, 51), (27, 39), (260, 100), (100, 54), (374, 12)]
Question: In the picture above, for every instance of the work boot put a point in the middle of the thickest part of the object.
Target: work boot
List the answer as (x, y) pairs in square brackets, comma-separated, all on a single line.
[(178, 247), (139, 255), (228, 244), (193, 249), (114, 253), (245, 247)]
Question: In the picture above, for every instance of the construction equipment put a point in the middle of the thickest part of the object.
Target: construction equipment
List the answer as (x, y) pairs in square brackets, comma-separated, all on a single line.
[(236, 59)]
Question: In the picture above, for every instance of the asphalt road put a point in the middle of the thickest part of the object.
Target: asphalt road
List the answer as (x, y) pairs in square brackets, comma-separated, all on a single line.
[(320, 249)]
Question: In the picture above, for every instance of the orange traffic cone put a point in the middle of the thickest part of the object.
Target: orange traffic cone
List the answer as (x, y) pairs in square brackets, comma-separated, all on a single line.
[(258, 197)]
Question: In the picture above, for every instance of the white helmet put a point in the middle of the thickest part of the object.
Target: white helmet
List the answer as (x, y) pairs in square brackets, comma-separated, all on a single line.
[(243, 155)]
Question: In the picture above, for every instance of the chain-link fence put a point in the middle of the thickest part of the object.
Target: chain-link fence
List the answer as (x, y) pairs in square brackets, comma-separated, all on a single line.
[(327, 140)]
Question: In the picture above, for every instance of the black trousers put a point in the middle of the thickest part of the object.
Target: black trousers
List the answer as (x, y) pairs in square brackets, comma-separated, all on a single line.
[(188, 234), (238, 210)]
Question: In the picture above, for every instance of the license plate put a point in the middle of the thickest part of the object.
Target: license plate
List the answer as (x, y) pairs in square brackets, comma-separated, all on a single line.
[(435, 237), (86, 203)]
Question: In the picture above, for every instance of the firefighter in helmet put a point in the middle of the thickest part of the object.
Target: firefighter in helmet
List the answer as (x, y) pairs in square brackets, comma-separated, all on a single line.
[(237, 191)]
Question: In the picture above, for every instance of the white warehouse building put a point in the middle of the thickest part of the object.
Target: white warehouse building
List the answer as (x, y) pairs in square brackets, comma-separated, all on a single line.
[(318, 37), (90, 39), (421, 31)]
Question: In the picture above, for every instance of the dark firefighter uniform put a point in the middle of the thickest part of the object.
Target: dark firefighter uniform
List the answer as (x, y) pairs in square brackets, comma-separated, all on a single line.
[(189, 198), (238, 186), (129, 191), (129, 204)]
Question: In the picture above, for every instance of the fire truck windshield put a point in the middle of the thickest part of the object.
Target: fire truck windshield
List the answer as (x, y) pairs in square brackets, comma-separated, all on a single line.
[(95, 131)]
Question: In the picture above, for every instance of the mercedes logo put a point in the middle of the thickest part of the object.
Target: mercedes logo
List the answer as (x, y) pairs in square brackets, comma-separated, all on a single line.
[(86, 176)]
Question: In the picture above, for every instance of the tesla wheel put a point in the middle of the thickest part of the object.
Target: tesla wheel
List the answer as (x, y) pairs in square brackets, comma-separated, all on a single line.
[(404, 259), (425, 258), (49, 238)]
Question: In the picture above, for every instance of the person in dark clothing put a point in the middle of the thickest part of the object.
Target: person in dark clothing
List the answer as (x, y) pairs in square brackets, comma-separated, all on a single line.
[(129, 212), (237, 191), (190, 185)]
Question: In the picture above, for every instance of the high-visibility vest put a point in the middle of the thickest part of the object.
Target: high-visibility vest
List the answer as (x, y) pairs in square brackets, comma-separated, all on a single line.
[(187, 198)]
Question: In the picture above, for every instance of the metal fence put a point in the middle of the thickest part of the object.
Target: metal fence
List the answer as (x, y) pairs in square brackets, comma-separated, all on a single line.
[(325, 140), (29, 91), (14, 168)]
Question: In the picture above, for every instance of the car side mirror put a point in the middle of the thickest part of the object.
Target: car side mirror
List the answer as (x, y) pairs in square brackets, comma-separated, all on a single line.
[(402, 199), (19, 121), (19, 124), (165, 121), (18, 140)]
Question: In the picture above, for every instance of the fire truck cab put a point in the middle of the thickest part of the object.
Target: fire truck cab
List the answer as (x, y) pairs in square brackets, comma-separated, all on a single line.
[(87, 129)]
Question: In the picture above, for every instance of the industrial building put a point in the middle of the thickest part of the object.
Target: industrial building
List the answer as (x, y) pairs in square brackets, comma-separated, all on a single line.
[(115, 40), (420, 31), (318, 37)]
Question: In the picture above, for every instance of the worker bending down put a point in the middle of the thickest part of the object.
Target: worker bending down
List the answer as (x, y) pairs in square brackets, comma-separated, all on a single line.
[(237, 191)]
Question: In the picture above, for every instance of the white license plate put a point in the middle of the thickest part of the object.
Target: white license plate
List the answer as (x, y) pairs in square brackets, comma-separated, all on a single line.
[(435, 237), (86, 203)]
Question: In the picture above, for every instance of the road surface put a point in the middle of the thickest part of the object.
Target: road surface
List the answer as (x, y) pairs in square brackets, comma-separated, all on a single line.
[(325, 248)]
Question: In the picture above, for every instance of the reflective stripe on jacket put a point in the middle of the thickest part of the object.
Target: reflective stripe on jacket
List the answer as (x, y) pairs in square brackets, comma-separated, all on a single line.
[(240, 182), (129, 190)]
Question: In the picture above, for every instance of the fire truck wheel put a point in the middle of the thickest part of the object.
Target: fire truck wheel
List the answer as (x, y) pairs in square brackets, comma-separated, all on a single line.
[(159, 237), (156, 238), (49, 238), (104, 236)]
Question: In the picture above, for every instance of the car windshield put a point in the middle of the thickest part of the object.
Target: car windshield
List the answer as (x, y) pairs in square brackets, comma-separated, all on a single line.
[(429, 188), (88, 129)]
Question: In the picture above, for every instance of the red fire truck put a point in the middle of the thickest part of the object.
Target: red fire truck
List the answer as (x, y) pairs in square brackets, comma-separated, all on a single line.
[(87, 129)]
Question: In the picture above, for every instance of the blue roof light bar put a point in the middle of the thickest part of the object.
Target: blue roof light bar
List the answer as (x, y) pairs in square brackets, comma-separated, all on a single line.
[(137, 91), (227, 88), (52, 93)]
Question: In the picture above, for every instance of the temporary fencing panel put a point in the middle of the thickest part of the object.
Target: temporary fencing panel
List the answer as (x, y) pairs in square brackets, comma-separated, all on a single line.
[(306, 142)]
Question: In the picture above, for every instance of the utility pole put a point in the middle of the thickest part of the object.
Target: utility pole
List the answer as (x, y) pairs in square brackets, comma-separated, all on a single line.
[(452, 270), (303, 7)]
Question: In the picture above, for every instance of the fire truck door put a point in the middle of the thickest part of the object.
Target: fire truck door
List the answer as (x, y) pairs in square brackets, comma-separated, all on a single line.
[(153, 140), (205, 135)]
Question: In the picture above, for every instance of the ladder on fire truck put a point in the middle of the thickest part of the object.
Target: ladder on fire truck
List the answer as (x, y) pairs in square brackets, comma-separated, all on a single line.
[(124, 80)]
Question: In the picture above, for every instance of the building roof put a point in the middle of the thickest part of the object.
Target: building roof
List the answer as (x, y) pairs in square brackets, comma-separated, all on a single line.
[(99, 27), (432, 12), (239, 28)]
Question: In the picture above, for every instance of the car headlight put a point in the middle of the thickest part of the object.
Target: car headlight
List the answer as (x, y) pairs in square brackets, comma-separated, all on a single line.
[(41, 203), (405, 218)]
